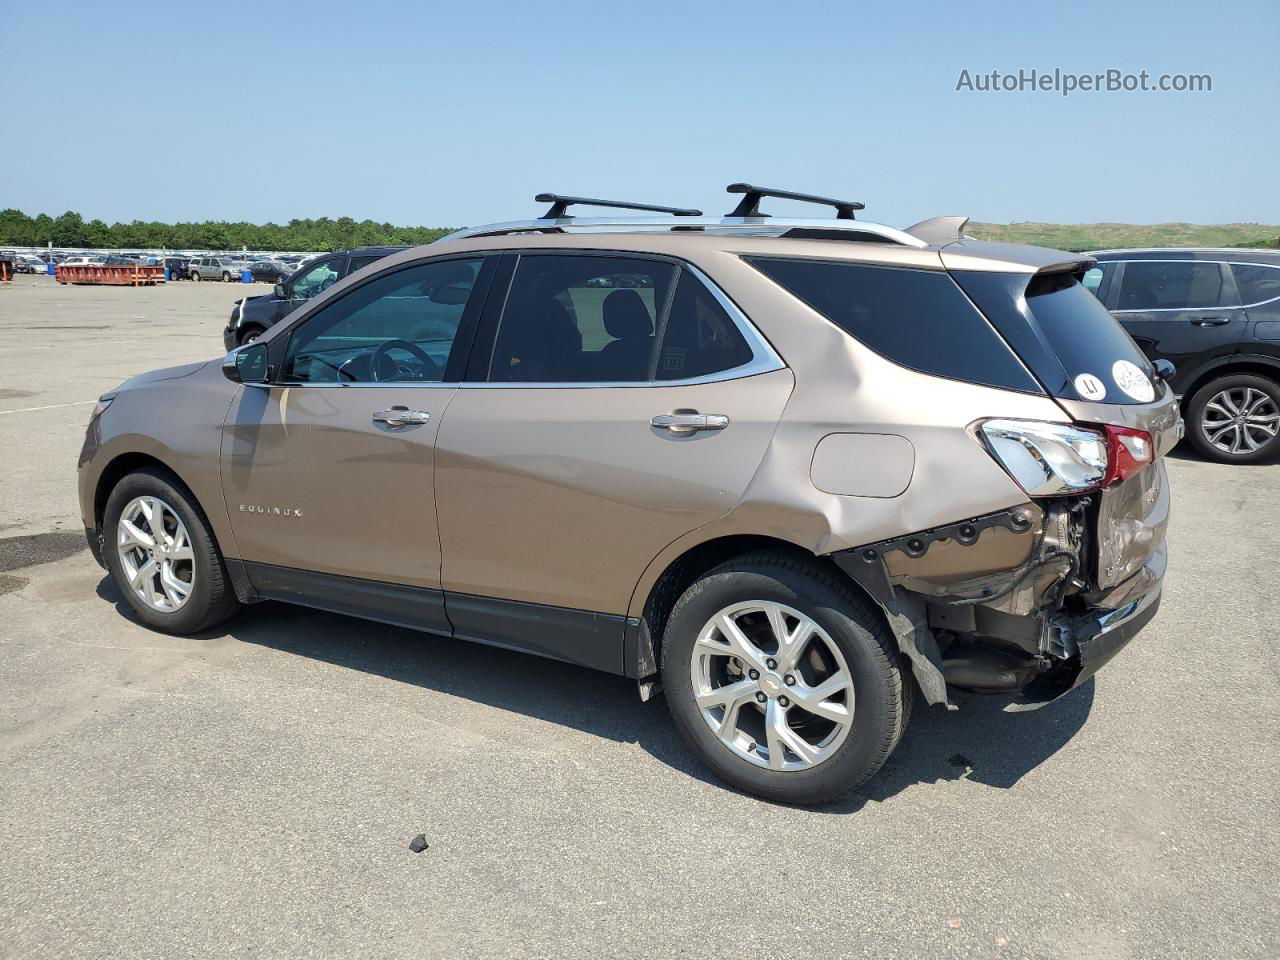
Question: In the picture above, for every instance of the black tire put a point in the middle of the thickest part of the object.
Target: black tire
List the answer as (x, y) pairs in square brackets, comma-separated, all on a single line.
[(1198, 408), (195, 276), (226, 277), (248, 335), (882, 688), (212, 598)]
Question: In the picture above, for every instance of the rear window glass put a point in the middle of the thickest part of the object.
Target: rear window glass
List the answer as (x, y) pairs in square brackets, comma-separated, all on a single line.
[(1256, 282), (1170, 285), (917, 318), (1064, 334)]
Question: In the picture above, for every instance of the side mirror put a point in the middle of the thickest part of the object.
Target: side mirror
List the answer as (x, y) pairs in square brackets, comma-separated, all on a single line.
[(1165, 370), (247, 364), (280, 292)]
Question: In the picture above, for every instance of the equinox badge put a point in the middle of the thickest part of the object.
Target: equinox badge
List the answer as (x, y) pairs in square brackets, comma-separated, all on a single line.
[(274, 511)]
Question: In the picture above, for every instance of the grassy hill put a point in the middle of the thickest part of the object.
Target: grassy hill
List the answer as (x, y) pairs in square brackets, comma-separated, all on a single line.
[(1105, 236)]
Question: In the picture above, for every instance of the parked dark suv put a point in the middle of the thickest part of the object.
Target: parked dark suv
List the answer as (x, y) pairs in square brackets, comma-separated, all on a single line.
[(252, 316), (1215, 314)]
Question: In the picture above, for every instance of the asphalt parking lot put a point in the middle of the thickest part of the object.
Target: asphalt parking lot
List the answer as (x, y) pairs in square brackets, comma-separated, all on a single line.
[(254, 791)]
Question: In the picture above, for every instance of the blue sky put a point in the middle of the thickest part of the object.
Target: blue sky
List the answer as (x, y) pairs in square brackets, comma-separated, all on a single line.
[(451, 114)]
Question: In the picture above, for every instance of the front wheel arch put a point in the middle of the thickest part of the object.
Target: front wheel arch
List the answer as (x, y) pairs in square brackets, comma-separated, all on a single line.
[(121, 467)]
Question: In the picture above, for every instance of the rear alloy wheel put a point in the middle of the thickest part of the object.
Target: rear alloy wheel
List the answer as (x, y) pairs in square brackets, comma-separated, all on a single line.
[(1236, 419), (774, 656), (784, 679)]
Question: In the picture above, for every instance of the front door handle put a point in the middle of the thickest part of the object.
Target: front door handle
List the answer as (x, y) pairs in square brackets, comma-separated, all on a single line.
[(689, 422), (401, 417), (1209, 321)]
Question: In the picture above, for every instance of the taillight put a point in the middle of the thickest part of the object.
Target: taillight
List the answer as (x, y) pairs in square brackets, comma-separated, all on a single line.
[(1058, 459), (1130, 451), (1048, 459)]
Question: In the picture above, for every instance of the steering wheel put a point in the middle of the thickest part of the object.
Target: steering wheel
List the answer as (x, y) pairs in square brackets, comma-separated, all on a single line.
[(431, 369)]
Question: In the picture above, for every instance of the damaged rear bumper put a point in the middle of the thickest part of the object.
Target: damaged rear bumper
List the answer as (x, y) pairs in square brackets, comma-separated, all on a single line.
[(1017, 603), (1096, 636)]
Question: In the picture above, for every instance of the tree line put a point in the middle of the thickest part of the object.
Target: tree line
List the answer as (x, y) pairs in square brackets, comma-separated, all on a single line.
[(71, 230)]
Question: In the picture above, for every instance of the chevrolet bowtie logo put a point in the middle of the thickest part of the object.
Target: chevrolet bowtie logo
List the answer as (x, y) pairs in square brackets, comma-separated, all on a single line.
[(273, 511)]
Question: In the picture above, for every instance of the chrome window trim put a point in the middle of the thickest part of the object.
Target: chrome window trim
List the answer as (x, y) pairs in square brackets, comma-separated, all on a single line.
[(739, 226), (1229, 263), (764, 359)]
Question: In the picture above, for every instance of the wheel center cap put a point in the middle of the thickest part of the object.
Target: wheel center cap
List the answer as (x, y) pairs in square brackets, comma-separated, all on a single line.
[(771, 684)]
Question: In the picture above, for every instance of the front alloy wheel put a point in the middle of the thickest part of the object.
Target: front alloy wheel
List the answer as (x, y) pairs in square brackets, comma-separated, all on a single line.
[(163, 557), (155, 554), (772, 685)]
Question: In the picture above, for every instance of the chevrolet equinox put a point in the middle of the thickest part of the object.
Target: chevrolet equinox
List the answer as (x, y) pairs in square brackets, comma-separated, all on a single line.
[(787, 471)]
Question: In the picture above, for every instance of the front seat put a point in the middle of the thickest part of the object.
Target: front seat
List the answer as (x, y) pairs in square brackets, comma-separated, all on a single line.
[(627, 320)]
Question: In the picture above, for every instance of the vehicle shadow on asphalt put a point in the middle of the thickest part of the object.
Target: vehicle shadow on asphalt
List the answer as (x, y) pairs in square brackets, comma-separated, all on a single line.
[(979, 742)]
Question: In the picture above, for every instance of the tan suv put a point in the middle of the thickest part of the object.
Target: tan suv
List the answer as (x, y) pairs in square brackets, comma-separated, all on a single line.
[(788, 471)]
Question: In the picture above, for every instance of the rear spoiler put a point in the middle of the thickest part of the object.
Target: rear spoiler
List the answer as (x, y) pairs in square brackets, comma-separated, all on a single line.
[(964, 253)]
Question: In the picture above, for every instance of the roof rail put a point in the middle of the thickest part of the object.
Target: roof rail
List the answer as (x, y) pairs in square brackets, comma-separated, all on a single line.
[(749, 206), (737, 226), (560, 206)]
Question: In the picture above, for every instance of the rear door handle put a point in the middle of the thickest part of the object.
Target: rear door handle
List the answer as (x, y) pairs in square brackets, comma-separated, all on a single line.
[(689, 422), (1210, 321), (401, 417)]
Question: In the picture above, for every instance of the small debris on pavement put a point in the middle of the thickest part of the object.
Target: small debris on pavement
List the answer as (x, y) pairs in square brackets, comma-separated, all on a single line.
[(418, 843)]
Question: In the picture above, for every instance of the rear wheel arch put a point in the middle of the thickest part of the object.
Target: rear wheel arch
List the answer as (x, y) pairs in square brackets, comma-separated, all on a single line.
[(644, 655)]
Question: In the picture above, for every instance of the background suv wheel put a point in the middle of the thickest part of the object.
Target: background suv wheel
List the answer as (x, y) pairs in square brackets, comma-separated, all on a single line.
[(249, 334), (226, 277), (1236, 418), (162, 556), (783, 679)]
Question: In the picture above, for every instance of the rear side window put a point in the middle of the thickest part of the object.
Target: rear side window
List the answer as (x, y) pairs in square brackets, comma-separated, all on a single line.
[(917, 318), (1170, 285), (580, 319), (698, 338), (1256, 282), (605, 319)]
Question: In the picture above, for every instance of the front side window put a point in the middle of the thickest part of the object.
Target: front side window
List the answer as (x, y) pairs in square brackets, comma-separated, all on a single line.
[(1170, 285), (316, 279), (1257, 283), (397, 328)]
